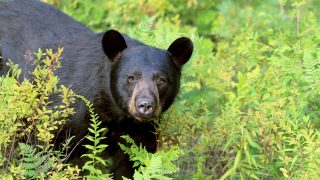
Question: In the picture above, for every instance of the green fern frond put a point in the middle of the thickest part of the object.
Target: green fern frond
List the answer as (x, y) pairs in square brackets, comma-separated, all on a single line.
[(35, 164), (311, 68), (151, 166), (96, 147)]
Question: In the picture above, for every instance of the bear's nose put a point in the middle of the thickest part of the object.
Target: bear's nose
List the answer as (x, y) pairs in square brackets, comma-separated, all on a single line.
[(145, 106)]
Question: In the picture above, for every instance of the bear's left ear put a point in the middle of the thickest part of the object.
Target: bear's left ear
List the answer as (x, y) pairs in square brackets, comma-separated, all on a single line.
[(181, 50), (113, 44)]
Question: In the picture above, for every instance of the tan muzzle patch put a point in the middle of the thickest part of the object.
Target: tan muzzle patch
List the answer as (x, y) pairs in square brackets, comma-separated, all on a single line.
[(145, 89)]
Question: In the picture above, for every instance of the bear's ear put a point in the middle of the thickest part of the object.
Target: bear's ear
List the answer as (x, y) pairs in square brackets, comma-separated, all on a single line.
[(113, 44), (181, 50)]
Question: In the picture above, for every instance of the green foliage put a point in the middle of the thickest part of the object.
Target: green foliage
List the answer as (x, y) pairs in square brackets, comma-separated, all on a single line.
[(151, 166), (28, 114), (35, 164), (119, 14), (268, 125), (96, 148), (30, 101)]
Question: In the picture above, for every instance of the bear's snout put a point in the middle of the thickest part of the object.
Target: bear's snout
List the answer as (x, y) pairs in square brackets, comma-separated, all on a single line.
[(144, 104), (145, 107)]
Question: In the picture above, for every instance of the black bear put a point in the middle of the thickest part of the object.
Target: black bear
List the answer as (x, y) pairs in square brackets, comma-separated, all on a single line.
[(129, 83)]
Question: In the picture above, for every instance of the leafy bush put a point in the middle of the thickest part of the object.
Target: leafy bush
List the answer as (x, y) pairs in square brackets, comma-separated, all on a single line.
[(28, 115)]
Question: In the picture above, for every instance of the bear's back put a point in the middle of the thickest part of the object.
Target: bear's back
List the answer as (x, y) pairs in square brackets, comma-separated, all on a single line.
[(33, 24), (27, 25), (32, 16)]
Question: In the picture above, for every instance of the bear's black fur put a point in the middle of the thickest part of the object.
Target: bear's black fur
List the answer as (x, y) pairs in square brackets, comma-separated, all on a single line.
[(129, 83)]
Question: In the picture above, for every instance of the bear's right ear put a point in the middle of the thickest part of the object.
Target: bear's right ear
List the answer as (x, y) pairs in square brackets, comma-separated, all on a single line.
[(113, 44), (181, 50)]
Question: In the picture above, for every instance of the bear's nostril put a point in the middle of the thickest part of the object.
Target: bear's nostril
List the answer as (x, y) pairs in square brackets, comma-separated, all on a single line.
[(145, 106)]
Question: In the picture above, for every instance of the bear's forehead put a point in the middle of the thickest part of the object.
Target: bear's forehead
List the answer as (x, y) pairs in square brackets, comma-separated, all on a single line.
[(146, 56), (147, 61)]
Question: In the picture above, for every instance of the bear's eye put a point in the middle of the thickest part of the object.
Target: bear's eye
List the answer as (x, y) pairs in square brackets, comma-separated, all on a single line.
[(162, 81), (131, 79)]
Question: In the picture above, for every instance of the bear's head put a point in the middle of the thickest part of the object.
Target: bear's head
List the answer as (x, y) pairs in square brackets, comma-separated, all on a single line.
[(144, 80)]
